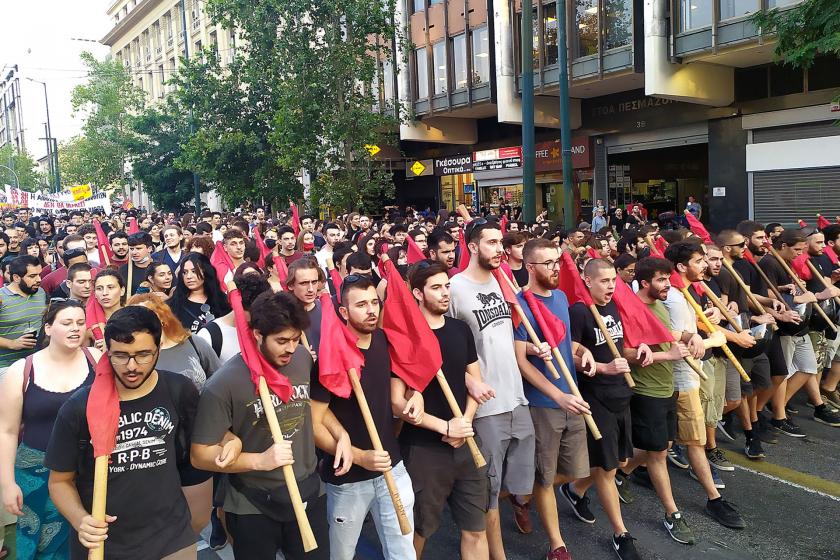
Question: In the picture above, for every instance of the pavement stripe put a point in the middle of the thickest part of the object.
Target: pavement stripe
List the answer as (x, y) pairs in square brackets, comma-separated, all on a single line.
[(803, 481)]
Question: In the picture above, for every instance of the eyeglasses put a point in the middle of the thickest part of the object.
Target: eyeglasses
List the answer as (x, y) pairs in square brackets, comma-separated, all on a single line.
[(742, 244), (353, 278), (140, 358), (474, 224), (549, 265)]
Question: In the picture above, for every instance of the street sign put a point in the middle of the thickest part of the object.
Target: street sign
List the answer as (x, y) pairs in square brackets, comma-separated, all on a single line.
[(373, 149), (418, 168)]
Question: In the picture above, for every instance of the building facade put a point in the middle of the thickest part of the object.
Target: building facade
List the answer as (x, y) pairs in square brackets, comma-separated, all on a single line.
[(670, 98)]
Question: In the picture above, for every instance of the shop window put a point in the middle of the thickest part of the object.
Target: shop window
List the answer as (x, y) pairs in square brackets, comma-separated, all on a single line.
[(751, 83), (459, 60), (439, 60), (737, 8), (550, 33), (824, 73), (619, 23), (695, 14), (586, 28), (421, 66), (481, 56), (785, 80)]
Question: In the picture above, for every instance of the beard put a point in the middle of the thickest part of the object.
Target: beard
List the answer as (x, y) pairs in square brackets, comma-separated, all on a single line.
[(485, 263), (28, 289)]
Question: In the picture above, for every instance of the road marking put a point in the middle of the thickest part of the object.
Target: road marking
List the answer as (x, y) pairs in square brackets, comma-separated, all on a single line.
[(803, 481)]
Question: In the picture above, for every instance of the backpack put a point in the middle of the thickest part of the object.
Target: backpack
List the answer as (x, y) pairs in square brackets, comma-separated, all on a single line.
[(215, 337)]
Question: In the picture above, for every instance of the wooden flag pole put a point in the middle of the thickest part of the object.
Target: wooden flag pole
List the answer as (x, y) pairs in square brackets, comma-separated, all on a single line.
[(306, 534), (478, 458), (755, 303), (405, 525), (610, 344), (729, 318), (801, 285), (100, 493), (821, 278), (567, 376), (130, 272)]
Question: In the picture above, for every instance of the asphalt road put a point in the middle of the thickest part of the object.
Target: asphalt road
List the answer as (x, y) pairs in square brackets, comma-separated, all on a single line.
[(791, 502)]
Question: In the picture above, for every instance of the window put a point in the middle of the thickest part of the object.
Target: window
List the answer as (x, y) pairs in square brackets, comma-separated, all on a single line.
[(586, 28), (481, 56), (785, 80), (751, 83), (419, 5), (781, 3), (388, 80), (824, 74), (550, 33), (459, 61), (439, 60), (619, 23), (695, 14), (422, 74), (737, 8)]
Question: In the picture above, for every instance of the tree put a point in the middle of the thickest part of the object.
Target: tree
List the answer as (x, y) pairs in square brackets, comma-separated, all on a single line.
[(153, 147), (298, 95), (804, 32), (107, 100), (24, 167)]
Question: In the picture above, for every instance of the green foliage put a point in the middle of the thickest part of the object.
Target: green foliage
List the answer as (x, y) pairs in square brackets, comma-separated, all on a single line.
[(107, 101), (292, 99), (24, 167), (804, 32)]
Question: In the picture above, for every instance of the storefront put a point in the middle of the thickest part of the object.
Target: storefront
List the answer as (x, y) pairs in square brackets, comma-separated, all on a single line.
[(457, 184), (549, 176), (498, 174)]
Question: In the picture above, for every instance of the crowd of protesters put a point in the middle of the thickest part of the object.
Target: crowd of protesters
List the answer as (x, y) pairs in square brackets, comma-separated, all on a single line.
[(194, 448)]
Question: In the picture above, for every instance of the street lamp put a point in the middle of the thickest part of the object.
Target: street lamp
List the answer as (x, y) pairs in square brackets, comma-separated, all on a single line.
[(17, 179), (51, 153)]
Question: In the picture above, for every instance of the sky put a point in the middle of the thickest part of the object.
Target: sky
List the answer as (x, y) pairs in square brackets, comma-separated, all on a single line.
[(42, 38)]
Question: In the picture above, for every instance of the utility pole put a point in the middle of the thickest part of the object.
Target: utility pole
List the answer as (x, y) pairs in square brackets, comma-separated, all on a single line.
[(52, 154), (197, 193), (565, 124), (529, 202)]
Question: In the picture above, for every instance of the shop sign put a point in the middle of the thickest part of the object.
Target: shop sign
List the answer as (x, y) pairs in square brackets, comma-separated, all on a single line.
[(633, 110), (499, 158), (454, 165), (421, 168), (548, 154)]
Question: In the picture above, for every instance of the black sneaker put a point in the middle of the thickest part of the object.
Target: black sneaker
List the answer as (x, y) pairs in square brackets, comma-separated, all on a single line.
[(624, 547), (790, 410), (726, 425), (580, 504), (787, 428), (826, 416), (622, 483), (753, 449), (723, 512), (762, 431), (641, 476), (678, 528), (218, 537)]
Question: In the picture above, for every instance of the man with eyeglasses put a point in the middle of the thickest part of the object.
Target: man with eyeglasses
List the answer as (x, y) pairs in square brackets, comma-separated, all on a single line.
[(503, 424), (147, 513)]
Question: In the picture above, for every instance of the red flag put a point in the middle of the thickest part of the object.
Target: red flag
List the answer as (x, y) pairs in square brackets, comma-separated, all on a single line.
[(640, 324), (414, 252), (295, 218), (800, 267), (822, 223), (263, 248), (105, 253), (677, 282), (802, 223), (553, 329), (222, 262), (337, 281), (503, 224), (132, 226), (571, 283), (281, 269), (661, 245), (592, 253), (749, 257), (95, 317), (463, 252), (384, 248), (697, 228), (254, 359), (414, 348), (103, 409), (508, 271), (832, 256), (338, 352), (508, 295)]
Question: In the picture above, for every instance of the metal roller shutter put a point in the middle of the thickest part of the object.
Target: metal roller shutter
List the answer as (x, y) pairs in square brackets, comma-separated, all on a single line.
[(786, 196)]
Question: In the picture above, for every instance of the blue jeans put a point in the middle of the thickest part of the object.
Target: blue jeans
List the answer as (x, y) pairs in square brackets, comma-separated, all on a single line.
[(348, 504)]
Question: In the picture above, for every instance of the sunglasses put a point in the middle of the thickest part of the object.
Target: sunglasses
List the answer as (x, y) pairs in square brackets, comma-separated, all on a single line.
[(742, 244)]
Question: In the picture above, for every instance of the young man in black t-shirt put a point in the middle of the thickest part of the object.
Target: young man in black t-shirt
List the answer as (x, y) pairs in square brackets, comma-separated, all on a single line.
[(828, 384), (147, 513), (362, 490), (441, 466)]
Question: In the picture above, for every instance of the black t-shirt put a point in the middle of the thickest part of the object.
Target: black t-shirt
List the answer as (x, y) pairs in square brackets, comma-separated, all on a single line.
[(729, 286), (138, 275), (824, 265), (145, 468), (457, 346), (586, 332), (192, 316), (750, 276), (376, 384), (774, 271), (521, 275)]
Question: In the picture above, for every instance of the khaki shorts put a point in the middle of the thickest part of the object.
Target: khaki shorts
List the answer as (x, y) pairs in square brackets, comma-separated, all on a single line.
[(713, 389), (560, 445), (691, 424)]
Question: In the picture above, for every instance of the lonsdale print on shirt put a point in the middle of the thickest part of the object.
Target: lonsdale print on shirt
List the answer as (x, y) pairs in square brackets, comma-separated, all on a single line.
[(615, 329), (494, 308)]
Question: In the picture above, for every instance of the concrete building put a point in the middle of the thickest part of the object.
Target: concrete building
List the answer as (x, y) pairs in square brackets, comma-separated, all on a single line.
[(670, 98)]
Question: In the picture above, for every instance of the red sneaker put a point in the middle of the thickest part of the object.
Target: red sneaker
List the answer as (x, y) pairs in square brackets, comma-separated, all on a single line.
[(559, 554)]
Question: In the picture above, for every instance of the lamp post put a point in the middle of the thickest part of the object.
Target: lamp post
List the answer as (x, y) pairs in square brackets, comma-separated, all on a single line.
[(529, 198), (17, 179), (565, 121), (196, 191), (51, 153)]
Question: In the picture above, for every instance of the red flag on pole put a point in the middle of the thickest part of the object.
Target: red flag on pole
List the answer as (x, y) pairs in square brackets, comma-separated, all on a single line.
[(503, 224), (592, 253), (822, 223), (749, 257), (338, 352), (105, 253), (571, 283), (103, 409), (95, 317), (263, 248), (832, 256), (677, 282), (463, 252), (508, 271), (414, 348), (281, 269), (337, 281), (254, 359), (508, 295), (295, 218), (222, 262), (800, 266), (802, 223), (697, 228), (414, 253), (132, 226), (661, 245), (640, 324), (553, 329)]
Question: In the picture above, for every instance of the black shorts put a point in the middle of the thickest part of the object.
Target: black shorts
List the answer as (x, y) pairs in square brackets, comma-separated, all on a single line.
[(612, 416), (778, 363), (443, 475), (654, 422)]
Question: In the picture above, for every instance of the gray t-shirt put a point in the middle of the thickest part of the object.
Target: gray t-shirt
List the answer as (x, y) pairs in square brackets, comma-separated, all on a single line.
[(196, 363), (484, 309), (229, 402), (683, 318)]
